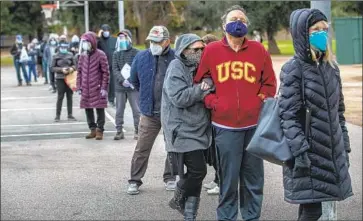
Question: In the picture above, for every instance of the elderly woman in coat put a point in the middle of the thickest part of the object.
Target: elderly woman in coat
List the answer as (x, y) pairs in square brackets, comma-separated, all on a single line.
[(319, 171), (92, 83), (186, 123)]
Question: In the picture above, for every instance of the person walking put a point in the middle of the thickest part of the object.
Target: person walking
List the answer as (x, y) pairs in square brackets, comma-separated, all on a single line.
[(243, 76), (181, 107), (15, 51), (92, 83), (320, 169), (147, 76), (45, 68), (212, 187), (106, 43), (32, 63), (74, 46), (49, 52), (62, 64), (122, 61)]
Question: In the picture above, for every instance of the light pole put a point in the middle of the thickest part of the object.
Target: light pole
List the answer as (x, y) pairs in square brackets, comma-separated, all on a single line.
[(121, 20)]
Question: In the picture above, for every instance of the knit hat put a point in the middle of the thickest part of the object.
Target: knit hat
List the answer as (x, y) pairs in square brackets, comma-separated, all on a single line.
[(105, 27), (316, 17), (126, 32)]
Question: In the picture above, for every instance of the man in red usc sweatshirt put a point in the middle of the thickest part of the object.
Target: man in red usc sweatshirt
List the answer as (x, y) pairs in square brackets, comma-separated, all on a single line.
[(243, 75)]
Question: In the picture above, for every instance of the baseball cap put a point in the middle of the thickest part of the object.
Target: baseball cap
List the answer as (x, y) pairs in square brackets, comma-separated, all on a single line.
[(158, 34)]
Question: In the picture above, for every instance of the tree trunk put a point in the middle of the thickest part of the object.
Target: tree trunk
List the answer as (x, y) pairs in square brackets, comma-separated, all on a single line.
[(272, 45)]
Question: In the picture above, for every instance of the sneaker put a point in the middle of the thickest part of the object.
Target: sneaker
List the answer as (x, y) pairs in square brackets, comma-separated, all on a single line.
[(54, 91), (28, 84), (210, 185), (170, 185), (214, 191), (71, 118), (133, 189), (50, 88), (57, 119), (119, 135)]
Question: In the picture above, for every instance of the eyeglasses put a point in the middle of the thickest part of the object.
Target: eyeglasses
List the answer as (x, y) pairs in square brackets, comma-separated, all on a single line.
[(196, 49)]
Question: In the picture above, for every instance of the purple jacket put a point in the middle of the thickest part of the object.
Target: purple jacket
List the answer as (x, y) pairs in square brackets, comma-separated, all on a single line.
[(93, 75)]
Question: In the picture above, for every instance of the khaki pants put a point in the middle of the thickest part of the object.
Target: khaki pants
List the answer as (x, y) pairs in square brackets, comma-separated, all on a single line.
[(149, 128)]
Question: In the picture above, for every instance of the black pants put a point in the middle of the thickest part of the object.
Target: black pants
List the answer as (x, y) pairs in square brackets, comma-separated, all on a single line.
[(52, 79), (111, 88), (310, 212), (64, 89), (101, 118), (191, 181)]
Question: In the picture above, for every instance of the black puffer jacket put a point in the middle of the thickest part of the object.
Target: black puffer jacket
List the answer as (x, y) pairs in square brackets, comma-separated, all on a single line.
[(327, 178)]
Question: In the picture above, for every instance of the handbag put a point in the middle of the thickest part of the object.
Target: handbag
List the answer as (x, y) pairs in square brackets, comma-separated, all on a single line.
[(269, 142), (24, 57)]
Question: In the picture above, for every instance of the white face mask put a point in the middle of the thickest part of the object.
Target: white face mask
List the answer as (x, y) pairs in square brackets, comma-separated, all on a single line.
[(156, 49)]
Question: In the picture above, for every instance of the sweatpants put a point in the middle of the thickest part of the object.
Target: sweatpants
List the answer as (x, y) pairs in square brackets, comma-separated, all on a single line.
[(121, 98), (241, 176), (191, 181)]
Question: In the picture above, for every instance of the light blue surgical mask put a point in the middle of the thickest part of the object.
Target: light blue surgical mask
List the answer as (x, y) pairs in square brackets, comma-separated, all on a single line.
[(319, 40), (63, 50), (106, 34)]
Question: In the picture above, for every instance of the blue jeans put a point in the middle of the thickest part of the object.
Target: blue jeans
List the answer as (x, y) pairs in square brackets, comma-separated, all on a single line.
[(17, 66), (45, 69), (238, 170), (32, 70)]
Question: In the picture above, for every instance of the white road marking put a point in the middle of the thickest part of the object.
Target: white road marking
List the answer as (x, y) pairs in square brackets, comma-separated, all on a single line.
[(35, 108), (110, 118), (41, 125), (48, 134), (24, 98)]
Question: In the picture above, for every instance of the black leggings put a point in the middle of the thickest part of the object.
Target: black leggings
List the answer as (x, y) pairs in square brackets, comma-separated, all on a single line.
[(310, 212), (64, 89)]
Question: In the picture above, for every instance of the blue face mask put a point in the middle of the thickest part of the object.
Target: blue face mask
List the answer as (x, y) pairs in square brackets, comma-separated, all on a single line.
[(124, 44), (237, 29), (63, 50), (319, 40)]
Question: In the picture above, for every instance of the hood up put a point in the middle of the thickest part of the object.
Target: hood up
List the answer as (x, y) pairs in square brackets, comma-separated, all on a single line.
[(299, 27)]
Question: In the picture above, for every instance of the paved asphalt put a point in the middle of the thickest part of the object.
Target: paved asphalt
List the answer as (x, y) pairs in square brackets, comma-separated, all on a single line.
[(50, 172)]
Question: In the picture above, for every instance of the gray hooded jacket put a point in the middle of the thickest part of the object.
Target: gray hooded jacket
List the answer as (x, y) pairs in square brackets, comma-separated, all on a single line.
[(185, 120)]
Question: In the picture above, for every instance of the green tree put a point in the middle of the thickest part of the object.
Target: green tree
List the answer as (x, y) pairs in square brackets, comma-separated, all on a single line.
[(270, 17), (6, 18)]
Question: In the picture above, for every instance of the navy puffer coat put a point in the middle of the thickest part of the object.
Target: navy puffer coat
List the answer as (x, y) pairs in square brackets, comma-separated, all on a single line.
[(327, 146)]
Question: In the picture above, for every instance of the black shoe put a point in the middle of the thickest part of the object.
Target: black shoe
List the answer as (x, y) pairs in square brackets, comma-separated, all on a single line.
[(191, 208), (71, 118), (20, 84), (46, 82), (119, 136), (28, 84), (57, 119), (178, 201)]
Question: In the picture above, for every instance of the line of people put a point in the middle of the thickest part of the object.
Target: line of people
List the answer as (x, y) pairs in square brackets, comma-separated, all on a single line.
[(206, 95)]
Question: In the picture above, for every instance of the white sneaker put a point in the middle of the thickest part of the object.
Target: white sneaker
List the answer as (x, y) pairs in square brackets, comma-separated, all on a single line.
[(210, 185), (214, 191), (170, 185), (133, 189)]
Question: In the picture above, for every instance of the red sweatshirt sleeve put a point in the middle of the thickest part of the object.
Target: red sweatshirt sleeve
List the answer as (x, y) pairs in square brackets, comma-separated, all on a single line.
[(268, 84), (203, 68)]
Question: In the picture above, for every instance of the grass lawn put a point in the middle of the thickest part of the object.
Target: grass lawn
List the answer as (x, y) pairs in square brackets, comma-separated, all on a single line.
[(285, 47)]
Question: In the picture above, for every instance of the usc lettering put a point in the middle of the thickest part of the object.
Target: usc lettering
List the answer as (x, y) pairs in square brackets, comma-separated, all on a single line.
[(236, 70)]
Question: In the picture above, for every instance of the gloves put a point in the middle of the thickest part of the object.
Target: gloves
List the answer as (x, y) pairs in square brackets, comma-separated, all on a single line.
[(302, 161), (79, 91), (126, 83), (103, 93)]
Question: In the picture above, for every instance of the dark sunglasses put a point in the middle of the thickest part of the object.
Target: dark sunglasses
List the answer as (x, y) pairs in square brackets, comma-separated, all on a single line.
[(196, 49)]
